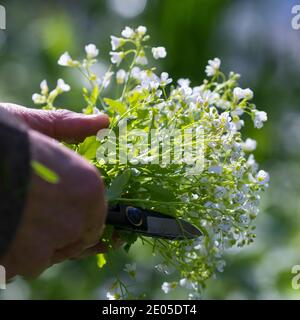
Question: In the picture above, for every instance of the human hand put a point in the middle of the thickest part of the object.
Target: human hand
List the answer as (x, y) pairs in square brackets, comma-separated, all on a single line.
[(62, 220)]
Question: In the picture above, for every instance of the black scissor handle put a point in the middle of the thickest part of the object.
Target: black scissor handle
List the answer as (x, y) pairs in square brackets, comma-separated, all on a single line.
[(127, 217)]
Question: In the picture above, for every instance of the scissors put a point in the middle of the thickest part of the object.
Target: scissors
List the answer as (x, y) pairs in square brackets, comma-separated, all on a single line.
[(150, 223)]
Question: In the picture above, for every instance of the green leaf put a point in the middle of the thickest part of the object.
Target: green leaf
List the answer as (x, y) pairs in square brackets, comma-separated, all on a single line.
[(115, 106), (136, 97), (44, 172), (88, 148), (101, 261), (129, 238), (118, 184), (160, 193)]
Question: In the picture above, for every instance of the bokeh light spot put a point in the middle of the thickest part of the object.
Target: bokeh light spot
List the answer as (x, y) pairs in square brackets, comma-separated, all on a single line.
[(127, 8)]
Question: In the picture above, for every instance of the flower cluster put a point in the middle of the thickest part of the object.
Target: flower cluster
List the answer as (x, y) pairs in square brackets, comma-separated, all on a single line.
[(47, 98), (221, 199)]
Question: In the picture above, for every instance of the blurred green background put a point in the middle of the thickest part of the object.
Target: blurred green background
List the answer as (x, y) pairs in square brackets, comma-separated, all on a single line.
[(252, 37)]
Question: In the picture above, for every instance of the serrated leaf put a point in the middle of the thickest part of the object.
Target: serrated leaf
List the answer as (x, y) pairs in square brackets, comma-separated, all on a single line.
[(88, 148), (118, 184), (44, 172)]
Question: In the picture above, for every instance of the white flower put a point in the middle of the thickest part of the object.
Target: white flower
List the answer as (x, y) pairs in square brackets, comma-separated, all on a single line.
[(220, 192), (213, 66), (252, 206), (130, 268), (207, 97), (237, 147), (220, 265), (185, 283), (195, 196), (240, 93), (237, 112), (167, 287), (121, 76), (136, 73), (162, 268), (238, 171), (248, 93), (164, 79), (91, 51), (66, 60), (141, 30), (107, 78), (262, 177), (251, 163), (117, 57), (210, 205), (116, 42), (186, 91), (61, 85), (38, 98), (225, 120), (224, 226), (183, 83), (44, 87), (238, 197), (141, 59), (215, 169), (195, 296), (159, 52), (249, 145), (238, 123), (111, 296), (148, 80), (153, 85), (244, 218), (259, 118), (127, 33)]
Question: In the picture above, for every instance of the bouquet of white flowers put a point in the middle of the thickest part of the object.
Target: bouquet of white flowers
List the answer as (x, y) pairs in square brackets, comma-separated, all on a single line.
[(172, 148)]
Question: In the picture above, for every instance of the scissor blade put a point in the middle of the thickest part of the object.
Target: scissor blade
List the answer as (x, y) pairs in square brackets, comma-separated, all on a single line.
[(170, 228), (151, 223)]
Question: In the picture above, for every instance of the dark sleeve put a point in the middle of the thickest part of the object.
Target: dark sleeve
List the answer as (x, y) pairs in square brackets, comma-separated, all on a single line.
[(14, 175)]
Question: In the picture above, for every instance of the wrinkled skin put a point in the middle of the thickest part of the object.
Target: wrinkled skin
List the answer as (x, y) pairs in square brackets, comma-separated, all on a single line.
[(63, 220)]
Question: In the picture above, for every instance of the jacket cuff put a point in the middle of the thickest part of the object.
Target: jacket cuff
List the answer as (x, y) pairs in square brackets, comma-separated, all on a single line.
[(15, 171)]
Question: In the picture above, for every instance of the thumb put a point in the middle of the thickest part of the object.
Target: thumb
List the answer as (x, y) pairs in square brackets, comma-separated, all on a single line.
[(60, 124)]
